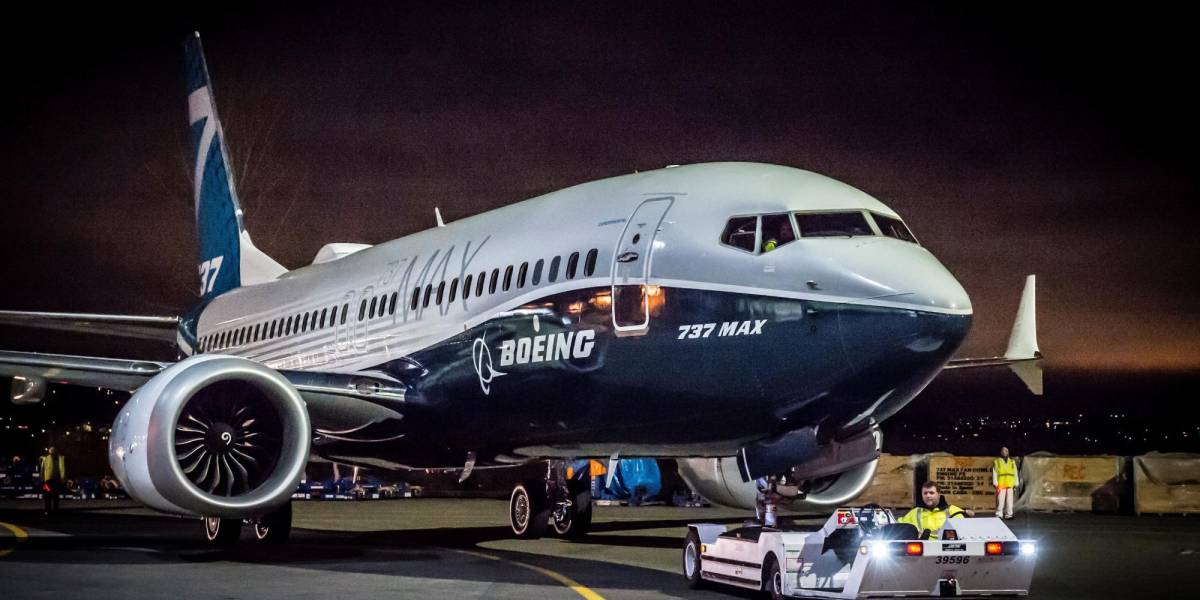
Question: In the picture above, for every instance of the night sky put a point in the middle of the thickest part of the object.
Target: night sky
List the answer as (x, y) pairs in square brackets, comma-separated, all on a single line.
[(1011, 139)]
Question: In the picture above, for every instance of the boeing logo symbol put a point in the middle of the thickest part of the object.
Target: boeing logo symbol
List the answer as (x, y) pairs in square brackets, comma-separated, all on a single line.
[(482, 357)]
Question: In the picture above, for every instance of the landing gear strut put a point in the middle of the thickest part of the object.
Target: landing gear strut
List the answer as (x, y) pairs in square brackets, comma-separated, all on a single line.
[(563, 498)]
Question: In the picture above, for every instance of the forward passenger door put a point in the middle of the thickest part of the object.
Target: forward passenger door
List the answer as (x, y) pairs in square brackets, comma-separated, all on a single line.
[(631, 267)]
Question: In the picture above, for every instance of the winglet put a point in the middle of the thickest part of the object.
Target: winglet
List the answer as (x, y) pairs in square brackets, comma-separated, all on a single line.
[(438, 213), (1022, 342)]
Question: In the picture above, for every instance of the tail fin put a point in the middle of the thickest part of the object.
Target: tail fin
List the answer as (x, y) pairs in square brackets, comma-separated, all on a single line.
[(228, 259)]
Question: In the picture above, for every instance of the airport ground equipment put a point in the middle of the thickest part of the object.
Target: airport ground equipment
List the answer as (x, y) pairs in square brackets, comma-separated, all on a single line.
[(862, 553)]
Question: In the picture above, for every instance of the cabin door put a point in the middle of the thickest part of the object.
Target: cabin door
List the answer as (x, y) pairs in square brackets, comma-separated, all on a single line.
[(631, 267)]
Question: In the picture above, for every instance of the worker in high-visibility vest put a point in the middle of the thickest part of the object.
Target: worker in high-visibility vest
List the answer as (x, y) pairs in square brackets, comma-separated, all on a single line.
[(1005, 480), (931, 514), (54, 472)]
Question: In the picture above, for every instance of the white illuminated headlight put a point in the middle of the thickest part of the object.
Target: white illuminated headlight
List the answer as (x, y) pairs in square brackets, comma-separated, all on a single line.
[(1028, 548), (879, 549)]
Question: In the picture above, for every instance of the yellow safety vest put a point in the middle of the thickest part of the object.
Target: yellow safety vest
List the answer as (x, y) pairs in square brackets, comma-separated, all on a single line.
[(930, 518), (53, 470), (1006, 472)]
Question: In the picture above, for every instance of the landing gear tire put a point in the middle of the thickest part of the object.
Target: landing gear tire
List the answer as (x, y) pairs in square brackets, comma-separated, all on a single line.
[(528, 511), (275, 527), (575, 521), (223, 533), (691, 560), (773, 579)]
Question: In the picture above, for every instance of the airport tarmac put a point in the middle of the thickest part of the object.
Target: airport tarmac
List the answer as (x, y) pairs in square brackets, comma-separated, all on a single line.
[(420, 548)]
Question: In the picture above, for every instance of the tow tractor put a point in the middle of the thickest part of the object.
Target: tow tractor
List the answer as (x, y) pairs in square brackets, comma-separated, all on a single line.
[(862, 553)]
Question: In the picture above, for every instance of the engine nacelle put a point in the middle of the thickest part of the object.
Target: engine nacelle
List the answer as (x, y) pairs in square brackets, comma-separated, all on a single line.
[(216, 436), (837, 473)]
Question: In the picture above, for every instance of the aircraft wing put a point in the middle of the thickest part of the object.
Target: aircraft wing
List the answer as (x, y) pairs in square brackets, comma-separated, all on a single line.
[(116, 374), (155, 328), (1022, 355), (325, 393)]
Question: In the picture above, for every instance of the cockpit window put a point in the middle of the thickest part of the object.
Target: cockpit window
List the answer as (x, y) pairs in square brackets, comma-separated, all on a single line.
[(741, 232), (893, 228), (839, 224), (776, 231)]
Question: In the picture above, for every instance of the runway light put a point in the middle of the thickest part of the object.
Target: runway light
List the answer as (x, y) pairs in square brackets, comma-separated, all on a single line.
[(993, 548), (1028, 548), (914, 549)]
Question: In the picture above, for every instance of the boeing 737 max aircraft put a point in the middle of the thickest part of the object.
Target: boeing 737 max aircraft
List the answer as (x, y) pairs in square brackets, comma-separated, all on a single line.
[(756, 319)]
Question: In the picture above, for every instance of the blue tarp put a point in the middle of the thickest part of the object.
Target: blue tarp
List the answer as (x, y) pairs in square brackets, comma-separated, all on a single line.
[(633, 473)]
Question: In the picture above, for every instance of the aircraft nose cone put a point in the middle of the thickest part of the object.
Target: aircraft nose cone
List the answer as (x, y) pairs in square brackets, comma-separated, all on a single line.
[(890, 271), (940, 290)]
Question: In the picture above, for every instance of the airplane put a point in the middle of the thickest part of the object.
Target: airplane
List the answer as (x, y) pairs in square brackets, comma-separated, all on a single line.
[(746, 319)]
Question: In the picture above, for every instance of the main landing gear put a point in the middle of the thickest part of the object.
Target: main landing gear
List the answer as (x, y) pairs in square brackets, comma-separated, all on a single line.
[(271, 528), (563, 499)]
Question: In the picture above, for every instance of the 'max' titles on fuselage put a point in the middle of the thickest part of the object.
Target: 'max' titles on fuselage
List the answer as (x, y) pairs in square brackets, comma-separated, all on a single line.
[(728, 329), (547, 347)]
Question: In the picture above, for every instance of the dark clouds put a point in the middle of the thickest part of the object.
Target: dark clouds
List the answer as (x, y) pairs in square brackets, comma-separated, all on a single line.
[(1012, 138)]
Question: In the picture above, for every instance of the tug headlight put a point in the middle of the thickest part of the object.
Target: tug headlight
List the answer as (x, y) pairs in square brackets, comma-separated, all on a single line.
[(879, 549), (1028, 548)]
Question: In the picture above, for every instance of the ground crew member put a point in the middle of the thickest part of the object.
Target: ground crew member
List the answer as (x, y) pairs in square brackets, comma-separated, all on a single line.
[(1004, 478), (54, 472), (933, 511)]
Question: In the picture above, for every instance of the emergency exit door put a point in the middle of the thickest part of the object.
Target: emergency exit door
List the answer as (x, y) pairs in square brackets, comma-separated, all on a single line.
[(631, 267)]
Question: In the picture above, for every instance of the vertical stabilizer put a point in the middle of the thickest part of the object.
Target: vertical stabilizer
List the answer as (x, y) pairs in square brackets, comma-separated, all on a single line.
[(1022, 342), (228, 259)]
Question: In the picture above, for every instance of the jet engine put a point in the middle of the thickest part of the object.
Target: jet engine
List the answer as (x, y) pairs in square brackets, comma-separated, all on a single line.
[(835, 475), (215, 436)]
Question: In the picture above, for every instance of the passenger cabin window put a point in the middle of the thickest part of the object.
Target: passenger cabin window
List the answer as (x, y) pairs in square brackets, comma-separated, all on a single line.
[(508, 277), (537, 272), (428, 291), (893, 228), (467, 287), (776, 231), (479, 283), (553, 275), (521, 274), (572, 264), (392, 303), (453, 289), (839, 224), (589, 265), (415, 299), (741, 232), (494, 281), (440, 291)]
